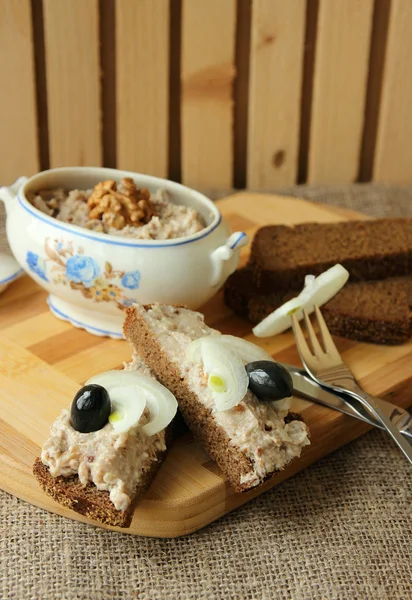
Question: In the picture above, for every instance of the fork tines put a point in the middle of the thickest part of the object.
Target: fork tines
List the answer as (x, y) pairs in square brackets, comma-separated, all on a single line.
[(329, 349)]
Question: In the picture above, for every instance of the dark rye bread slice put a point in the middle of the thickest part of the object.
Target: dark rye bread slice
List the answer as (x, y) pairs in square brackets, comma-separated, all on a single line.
[(370, 250), (371, 311), (242, 296), (88, 500), (199, 419)]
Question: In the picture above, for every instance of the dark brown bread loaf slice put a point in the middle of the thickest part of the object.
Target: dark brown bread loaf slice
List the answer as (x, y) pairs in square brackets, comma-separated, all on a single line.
[(199, 419), (242, 296), (370, 250), (88, 500), (370, 311)]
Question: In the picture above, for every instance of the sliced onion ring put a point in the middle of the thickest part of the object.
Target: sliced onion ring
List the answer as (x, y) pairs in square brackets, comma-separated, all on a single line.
[(129, 402), (161, 402), (220, 361), (193, 351), (248, 351), (317, 292), (283, 404)]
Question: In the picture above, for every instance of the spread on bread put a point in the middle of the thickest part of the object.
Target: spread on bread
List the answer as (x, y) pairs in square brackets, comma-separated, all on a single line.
[(110, 440), (104, 450), (225, 361), (249, 438)]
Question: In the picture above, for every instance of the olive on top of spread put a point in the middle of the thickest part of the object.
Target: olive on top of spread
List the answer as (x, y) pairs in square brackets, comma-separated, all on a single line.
[(269, 380), (90, 409)]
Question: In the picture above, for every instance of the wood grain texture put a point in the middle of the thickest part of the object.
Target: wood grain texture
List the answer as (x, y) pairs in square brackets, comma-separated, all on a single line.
[(393, 154), (73, 82), (18, 121), (276, 61), (142, 85), (339, 90), (207, 73), (43, 361)]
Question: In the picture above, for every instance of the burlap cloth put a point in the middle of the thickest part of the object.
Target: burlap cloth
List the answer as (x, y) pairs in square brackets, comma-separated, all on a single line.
[(342, 529)]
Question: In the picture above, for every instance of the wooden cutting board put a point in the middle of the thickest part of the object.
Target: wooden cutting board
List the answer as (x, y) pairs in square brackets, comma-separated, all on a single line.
[(43, 362)]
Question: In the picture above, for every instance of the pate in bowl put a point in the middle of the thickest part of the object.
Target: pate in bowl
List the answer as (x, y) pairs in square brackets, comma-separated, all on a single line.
[(99, 240)]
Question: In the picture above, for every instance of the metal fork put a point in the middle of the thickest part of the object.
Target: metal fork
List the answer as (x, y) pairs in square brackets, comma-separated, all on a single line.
[(327, 368)]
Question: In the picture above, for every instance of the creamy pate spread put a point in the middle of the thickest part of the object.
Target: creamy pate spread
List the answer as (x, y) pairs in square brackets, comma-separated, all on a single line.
[(255, 427), (114, 462), (169, 220)]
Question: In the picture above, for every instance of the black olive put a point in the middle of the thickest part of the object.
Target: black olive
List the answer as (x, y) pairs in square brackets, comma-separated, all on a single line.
[(90, 408), (269, 380)]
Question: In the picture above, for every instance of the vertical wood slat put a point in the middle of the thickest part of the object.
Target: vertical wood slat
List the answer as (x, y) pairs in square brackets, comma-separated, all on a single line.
[(73, 82), (276, 65), (393, 154), (18, 121), (142, 88), (73, 89), (339, 92), (207, 73)]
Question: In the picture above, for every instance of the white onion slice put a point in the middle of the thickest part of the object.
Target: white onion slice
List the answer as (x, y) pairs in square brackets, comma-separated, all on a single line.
[(161, 402), (317, 292), (193, 351), (221, 362), (128, 404), (283, 404), (248, 351)]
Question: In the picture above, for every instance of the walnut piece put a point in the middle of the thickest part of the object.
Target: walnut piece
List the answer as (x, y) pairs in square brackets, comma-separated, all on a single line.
[(120, 205)]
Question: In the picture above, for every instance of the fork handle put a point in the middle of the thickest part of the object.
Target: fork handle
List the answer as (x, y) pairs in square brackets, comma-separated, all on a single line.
[(372, 404)]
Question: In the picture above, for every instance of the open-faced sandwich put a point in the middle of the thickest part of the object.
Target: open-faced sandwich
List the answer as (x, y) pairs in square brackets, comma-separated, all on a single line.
[(104, 450), (232, 395)]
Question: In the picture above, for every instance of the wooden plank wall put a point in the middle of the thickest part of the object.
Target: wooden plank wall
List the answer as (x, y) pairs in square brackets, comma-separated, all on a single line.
[(18, 113), (256, 93), (73, 81)]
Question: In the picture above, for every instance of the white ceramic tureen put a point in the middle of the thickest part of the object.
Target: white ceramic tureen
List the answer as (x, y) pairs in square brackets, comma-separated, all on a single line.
[(9, 270), (93, 277)]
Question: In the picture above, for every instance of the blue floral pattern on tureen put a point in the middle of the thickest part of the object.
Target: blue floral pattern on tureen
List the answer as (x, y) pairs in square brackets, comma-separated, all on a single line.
[(131, 280), (82, 269), (64, 265), (37, 265)]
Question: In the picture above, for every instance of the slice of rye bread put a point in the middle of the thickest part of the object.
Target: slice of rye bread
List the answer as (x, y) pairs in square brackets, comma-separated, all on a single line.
[(233, 462), (372, 311), (91, 502), (88, 500), (370, 250)]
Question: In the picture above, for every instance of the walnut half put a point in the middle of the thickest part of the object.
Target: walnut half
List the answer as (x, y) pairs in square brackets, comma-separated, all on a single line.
[(120, 205)]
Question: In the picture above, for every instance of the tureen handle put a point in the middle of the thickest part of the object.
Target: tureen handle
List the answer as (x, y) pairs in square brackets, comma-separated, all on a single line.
[(8, 194), (224, 253)]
